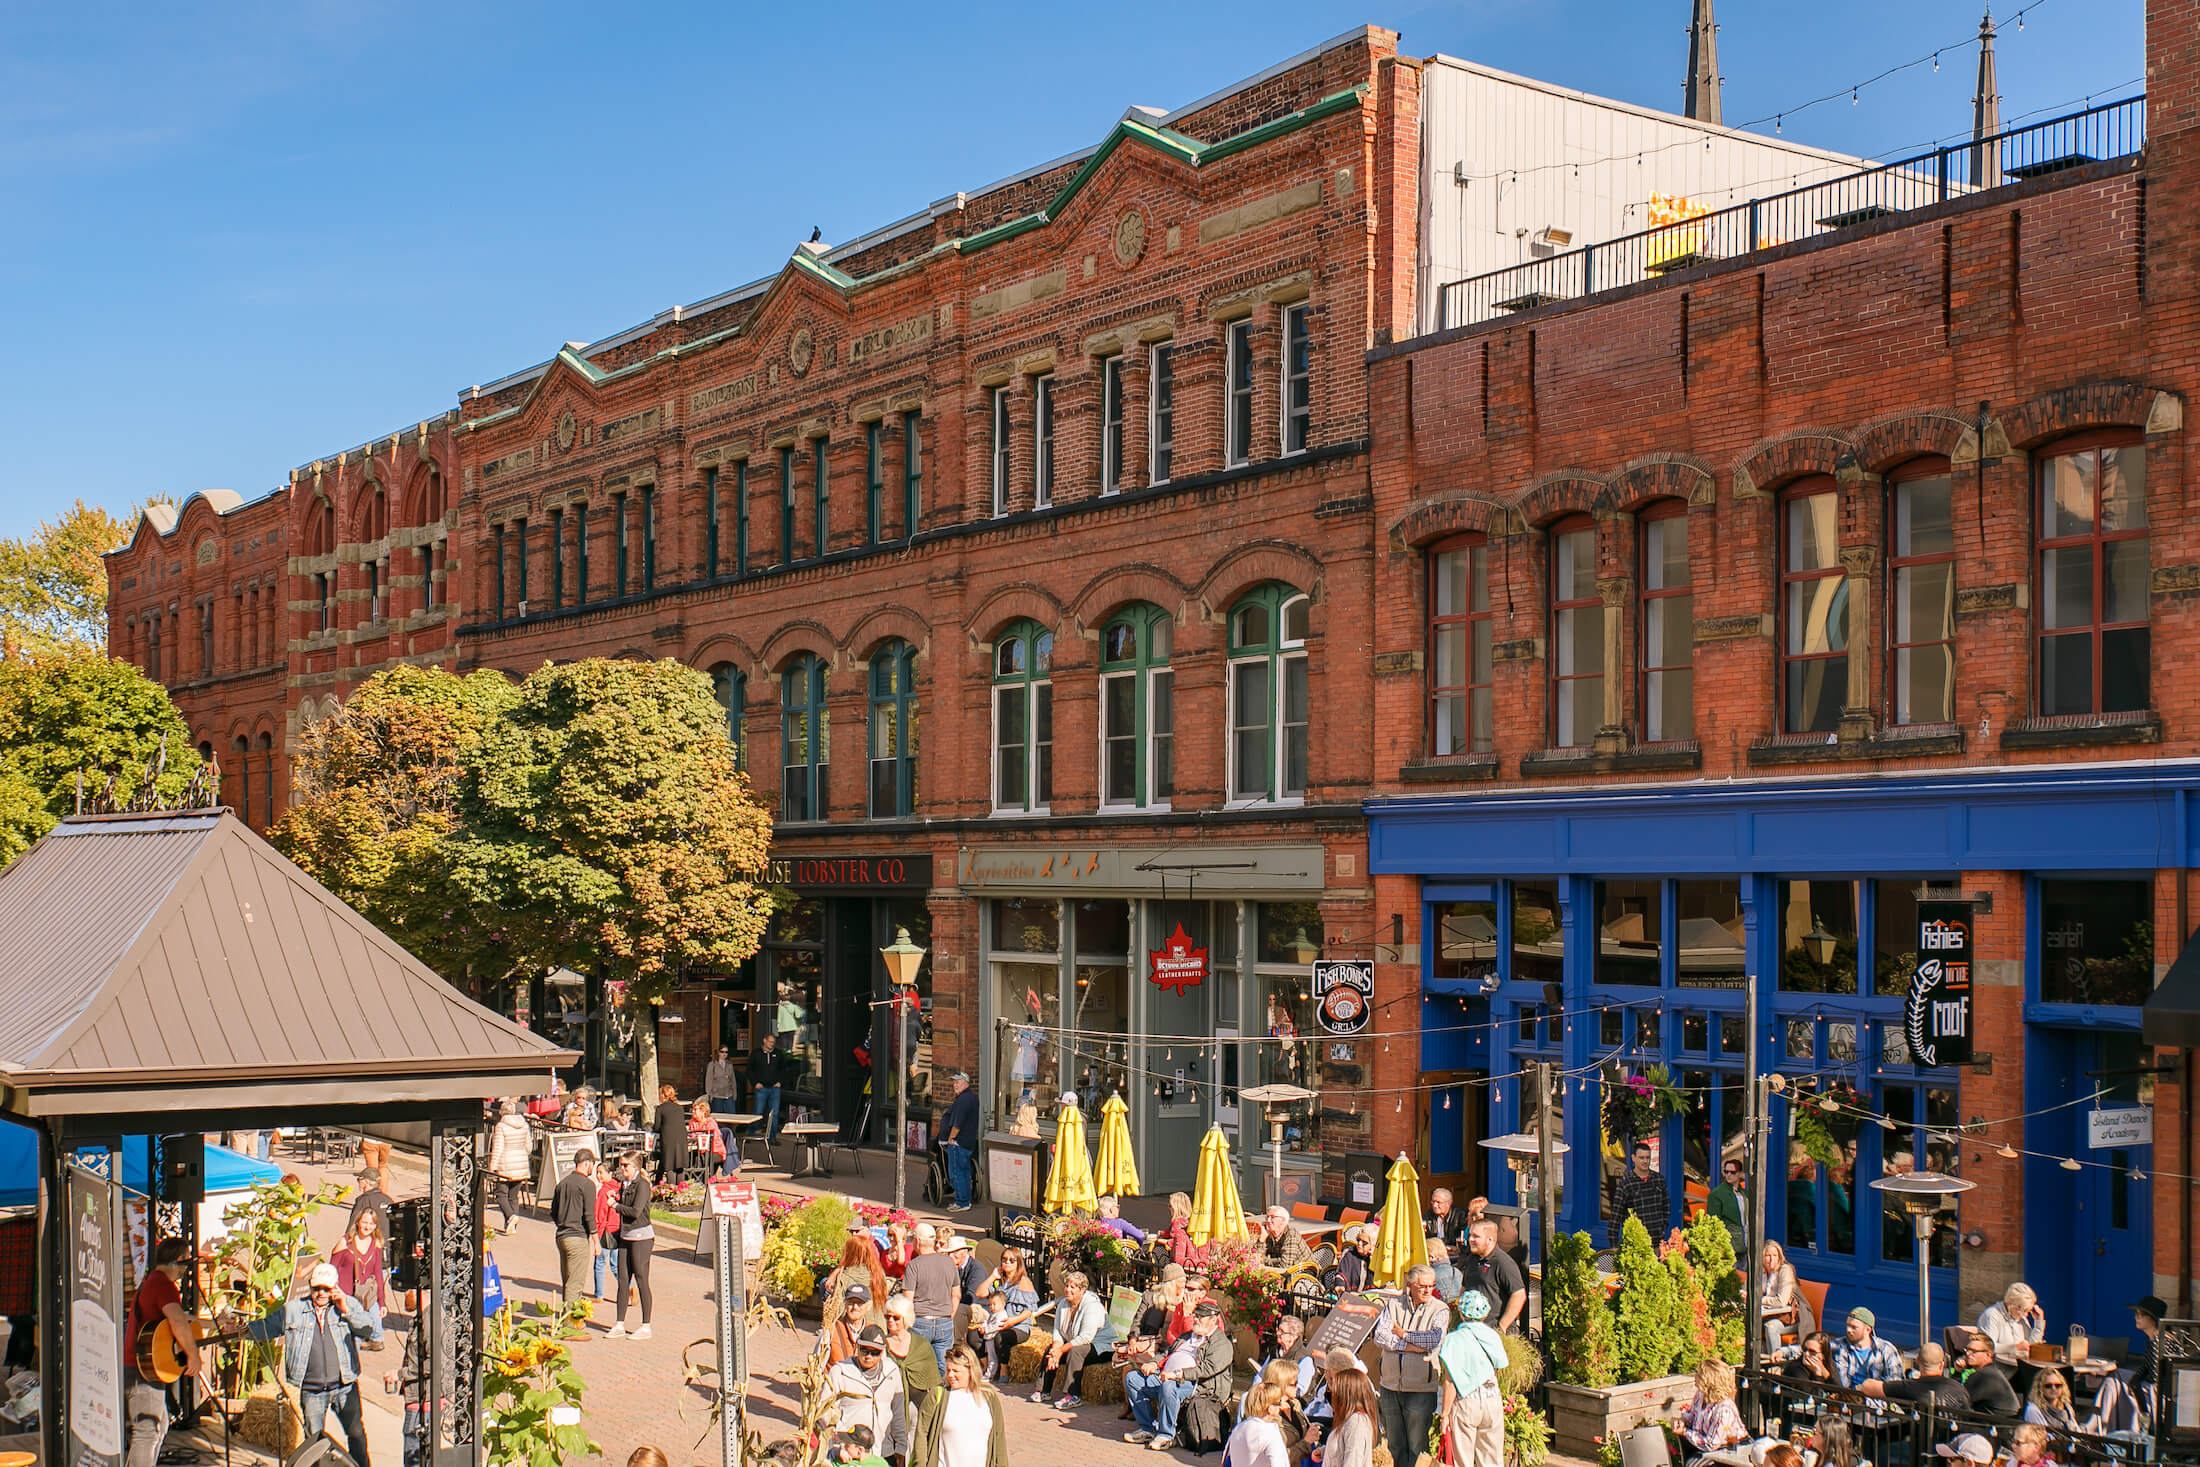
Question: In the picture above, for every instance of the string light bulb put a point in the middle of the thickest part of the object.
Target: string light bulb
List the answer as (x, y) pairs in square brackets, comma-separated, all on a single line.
[(1936, 61), (1829, 1105), (2007, 1152), (2138, 1176), (2071, 1164), (1853, 98)]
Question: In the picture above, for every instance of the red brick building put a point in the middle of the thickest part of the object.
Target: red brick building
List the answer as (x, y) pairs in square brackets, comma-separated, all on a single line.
[(1726, 606), (1028, 542)]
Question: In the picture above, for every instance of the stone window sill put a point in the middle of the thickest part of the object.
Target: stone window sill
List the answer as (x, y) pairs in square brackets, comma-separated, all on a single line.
[(1907, 742), (1456, 769), (2143, 726), (1675, 754)]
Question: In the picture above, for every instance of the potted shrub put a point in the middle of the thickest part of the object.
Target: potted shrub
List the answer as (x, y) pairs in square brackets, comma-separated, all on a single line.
[(802, 1248), (1612, 1365)]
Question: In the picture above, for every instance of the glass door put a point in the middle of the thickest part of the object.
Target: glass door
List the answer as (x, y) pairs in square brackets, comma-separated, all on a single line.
[(1178, 1092)]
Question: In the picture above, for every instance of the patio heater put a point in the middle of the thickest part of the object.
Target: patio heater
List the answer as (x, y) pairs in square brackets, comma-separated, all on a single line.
[(1539, 1153), (1276, 1102), (902, 961), (1921, 1194)]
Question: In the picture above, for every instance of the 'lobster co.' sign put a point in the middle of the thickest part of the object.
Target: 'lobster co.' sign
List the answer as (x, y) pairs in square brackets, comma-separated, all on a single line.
[(1937, 1018)]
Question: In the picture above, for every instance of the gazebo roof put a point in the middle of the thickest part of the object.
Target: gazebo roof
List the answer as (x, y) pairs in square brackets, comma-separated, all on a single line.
[(175, 961)]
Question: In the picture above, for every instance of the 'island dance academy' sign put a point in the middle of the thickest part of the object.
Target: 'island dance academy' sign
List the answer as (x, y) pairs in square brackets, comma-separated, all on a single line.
[(1937, 1019)]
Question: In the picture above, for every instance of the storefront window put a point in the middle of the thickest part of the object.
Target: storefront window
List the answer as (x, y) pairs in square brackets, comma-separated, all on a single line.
[(1100, 1063), (2096, 942), (1030, 995), (1026, 924), (1821, 1187), (1708, 935), (793, 1005), (1466, 941), (1538, 939), (1899, 1153), (1630, 932), (1711, 1130), (1818, 937), (1290, 935), (1894, 933)]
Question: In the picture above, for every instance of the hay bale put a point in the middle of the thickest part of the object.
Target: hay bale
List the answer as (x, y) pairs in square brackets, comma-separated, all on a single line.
[(1103, 1383), (1027, 1359), (272, 1422)]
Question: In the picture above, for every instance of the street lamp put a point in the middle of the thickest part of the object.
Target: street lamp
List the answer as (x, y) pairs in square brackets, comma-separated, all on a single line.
[(1921, 1194), (902, 961), (1539, 1154), (1277, 1101), (1302, 949)]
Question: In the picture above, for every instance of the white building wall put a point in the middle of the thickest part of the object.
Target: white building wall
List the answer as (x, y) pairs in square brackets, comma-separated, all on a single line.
[(1535, 156)]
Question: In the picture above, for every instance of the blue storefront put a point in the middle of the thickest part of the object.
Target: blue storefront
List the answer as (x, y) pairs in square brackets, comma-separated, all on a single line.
[(1622, 926)]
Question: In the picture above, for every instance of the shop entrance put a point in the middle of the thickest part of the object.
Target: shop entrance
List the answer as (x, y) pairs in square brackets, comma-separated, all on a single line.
[(2091, 1232)]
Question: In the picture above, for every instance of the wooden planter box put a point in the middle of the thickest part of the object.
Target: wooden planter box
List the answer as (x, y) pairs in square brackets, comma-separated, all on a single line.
[(1581, 1414)]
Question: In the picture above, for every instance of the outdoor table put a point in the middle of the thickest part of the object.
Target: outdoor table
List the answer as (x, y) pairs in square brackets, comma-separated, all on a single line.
[(809, 1149), (1311, 1229)]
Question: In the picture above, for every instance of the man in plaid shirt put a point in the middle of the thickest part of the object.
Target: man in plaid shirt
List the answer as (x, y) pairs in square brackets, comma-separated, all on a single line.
[(1643, 1194), (1863, 1356)]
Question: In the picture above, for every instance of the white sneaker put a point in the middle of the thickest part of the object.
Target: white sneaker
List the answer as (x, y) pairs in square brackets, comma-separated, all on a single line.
[(1138, 1438), (640, 1334), (1162, 1444), (616, 1332)]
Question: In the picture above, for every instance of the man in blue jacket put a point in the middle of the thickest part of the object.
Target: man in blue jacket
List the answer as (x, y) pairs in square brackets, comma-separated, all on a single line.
[(321, 1335)]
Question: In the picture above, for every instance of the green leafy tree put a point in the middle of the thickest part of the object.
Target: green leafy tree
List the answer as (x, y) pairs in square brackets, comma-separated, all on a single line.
[(374, 796), (1646, 1333), (1691, 1311), (604, 817), (53, 586), (1577, 1322), (1711, 1250), (88, 713)]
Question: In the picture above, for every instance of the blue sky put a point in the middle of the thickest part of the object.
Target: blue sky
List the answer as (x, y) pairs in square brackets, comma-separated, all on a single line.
[(240, 234)]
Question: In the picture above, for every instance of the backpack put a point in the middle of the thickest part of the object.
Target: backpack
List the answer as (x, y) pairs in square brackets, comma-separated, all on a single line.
[(607, 1210)]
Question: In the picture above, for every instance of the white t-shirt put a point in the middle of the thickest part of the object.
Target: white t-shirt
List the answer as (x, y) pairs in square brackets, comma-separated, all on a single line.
[(1256, 1443), (966, 1430)]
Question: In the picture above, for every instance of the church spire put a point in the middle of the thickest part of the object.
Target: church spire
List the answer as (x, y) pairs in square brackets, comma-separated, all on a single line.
[(1702, 101), (1986, 111)]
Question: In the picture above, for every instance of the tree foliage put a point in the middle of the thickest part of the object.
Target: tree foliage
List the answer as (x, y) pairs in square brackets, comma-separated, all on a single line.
[(1647, 1332), (81, 712), (374, 794), (1711, 1250), (53, 588), (1577, 1322)]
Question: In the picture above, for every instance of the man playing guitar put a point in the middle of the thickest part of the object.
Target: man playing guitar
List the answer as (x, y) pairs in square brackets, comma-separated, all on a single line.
[(158, 1298)]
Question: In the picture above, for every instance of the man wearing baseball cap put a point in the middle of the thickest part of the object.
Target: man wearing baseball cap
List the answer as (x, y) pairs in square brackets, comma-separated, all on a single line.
[(1969, 1447), (1861, 1355), (321, 1335)]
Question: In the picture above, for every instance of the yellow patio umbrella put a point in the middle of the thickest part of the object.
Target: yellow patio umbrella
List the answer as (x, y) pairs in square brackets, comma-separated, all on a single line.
[(1402, 1243), (1113, 1170), (1216, 1210), (1069, 1184)]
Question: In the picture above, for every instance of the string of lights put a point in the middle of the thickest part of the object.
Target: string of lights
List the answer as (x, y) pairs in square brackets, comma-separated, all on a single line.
[(1416, 1031), (1833, 1105)]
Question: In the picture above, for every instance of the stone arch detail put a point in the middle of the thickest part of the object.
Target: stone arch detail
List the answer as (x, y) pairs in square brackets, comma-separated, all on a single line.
[(1255, 565), (1892, 441), (793, 638), (1012, 603), (1663, 476), (889, 623), (1556, 495), (2093, 405), (723, 648), (1438, 515), (1806, 451), (1121, 586)]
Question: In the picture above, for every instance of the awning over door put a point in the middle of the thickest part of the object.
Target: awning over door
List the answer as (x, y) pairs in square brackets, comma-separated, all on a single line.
[(2171, 1015)]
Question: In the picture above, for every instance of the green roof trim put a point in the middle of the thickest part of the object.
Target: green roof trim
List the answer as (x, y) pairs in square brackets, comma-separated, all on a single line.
[(1171, 144), (832, 275)]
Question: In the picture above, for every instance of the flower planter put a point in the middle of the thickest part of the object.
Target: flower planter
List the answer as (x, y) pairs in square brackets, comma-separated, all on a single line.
[(1582, 1414)]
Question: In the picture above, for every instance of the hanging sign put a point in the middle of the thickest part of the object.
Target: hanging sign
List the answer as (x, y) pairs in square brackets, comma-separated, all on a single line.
[(1937, 1018), (96, 1313), (1344, 993), (2119, 1127), (1179, 965)]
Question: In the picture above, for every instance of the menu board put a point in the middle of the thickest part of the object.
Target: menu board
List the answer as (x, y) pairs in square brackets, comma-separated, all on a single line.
[(1349, 1324)]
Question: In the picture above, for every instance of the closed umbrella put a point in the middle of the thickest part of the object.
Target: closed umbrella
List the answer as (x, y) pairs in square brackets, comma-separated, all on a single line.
[(1216, 1210), (1069, 1185), (1402, 1244), (1113, 1171)]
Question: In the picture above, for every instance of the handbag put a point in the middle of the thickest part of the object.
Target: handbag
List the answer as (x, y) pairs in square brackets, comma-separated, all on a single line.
[(492, 1288)]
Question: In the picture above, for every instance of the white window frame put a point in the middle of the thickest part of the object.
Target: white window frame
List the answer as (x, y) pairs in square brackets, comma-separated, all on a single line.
[(1284, 651), (1000, 451), (1144, 801), (1237, 337), (1295, 313), (1029, 688), (1042, 440), (1111, 424), (1160, 358)]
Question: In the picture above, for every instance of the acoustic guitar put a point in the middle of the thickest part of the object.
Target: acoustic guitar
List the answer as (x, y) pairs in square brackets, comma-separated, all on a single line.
[(160, 1356)]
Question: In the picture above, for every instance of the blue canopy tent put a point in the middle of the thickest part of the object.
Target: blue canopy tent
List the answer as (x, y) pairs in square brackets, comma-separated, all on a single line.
[(226, 1170)]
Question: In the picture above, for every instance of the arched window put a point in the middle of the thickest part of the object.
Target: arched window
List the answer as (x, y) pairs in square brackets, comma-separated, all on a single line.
[(1023, 719), (803, 735), (893, 731), (1814, 605), (1137, 712), (267, 779), (244, 779), (731, 689), (1577, 634), (2094, 637), (1461, 714), (1668, 622), (1268, 695), (1921, 567)]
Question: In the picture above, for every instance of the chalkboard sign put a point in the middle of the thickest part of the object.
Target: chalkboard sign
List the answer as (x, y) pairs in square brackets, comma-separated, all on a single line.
[(1349, 1324), (558, 1150)]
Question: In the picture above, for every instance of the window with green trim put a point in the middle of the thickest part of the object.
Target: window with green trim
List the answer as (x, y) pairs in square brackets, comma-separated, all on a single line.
[(519, 536), (820, 498), (1268, 700), (710, 524), (649, 537), (1111, 424), (1237, 404), (621, 544), (580, 552), (1042, 440), (786, 506), (740, 516), (1000, 450), (1023, 719), (893, 731), (557, 558), (874, 480), (1137, 713), (803, 735), (912, 474), (731, 689)]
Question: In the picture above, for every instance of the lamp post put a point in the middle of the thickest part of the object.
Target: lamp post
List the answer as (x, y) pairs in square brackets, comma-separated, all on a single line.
[(1276, 1101), (902, 961), (1538, 1153), (1921, 1194)]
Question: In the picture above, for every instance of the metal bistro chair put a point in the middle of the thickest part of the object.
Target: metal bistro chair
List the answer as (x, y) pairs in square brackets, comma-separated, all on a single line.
[(848, 1143)]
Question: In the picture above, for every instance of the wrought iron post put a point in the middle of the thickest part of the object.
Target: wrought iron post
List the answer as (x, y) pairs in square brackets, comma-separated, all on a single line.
[(451, 1311)]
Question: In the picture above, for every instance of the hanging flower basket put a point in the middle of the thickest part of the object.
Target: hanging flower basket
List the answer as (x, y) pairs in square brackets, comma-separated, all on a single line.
[(1635, 1105)]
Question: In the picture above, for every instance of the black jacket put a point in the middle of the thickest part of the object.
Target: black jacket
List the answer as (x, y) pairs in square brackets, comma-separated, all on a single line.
[(1990, 1392), (573, 1206), (634, 1199), (767, 1066)]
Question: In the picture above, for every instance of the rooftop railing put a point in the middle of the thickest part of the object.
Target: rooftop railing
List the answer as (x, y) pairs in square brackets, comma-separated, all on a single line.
[(2111, 130)]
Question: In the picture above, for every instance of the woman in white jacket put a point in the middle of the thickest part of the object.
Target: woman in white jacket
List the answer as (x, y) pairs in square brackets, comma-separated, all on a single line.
[(511, 1149)]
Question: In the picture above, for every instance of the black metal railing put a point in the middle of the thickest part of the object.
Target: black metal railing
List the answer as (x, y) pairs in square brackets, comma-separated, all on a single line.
[(1898, 1434), (2111, 130)]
